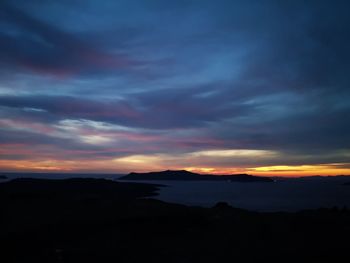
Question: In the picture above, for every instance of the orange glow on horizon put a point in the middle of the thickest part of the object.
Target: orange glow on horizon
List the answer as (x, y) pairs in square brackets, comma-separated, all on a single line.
[(126, 165)]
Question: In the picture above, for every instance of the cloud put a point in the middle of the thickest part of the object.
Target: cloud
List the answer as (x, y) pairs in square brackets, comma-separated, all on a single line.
[(31, 44), (228, 78)]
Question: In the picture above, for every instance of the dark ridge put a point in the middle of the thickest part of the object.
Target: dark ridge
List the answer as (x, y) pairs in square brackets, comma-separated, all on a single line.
[(59, 175), (75, 187), (96, 220), (3, 177), (183, 175)]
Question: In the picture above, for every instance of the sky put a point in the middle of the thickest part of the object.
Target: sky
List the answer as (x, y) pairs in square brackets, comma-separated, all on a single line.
[(224, 86)]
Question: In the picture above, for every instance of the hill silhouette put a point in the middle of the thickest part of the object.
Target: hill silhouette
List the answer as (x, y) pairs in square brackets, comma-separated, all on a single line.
[(90, 188), (183, 175), (89, 220)]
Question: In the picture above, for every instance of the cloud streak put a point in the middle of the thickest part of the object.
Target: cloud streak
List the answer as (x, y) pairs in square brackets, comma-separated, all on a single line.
[(231, 86), (31, 44)]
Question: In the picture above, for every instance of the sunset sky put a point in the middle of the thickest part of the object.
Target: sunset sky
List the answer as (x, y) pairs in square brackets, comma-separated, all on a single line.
[(224, 86)]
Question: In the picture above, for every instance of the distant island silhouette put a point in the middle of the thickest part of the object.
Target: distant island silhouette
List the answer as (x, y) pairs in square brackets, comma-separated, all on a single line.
[(183, 175), (3, 177)]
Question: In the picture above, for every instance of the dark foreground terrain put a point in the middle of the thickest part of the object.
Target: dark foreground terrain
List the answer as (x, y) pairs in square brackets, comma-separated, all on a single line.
[(90, 220)]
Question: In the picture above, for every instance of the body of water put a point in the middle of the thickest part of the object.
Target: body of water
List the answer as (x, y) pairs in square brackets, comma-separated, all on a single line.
[(283, 195)]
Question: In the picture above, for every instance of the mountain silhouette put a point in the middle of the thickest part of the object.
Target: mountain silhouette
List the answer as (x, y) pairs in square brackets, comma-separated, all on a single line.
[(183, 175)]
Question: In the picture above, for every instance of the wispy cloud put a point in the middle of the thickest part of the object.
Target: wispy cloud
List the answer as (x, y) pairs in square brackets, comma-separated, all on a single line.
[(237, 86)]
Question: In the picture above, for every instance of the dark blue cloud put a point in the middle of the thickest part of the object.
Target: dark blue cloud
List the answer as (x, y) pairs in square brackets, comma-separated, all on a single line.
[(237, 74), (32, 44)]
